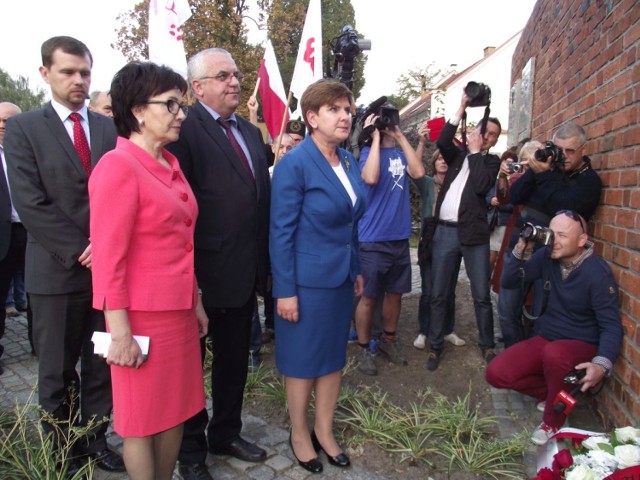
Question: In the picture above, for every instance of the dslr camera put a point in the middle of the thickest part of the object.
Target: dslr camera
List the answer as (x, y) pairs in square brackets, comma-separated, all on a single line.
[(549, 150), (388, 116), (479, 93), (537, 234), (515, 167)]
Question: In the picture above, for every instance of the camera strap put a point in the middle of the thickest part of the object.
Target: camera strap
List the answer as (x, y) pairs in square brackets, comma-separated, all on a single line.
[(546, 289)]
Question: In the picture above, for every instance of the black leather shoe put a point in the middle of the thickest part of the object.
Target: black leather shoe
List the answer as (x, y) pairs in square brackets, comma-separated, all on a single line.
[(194, 471), (72, 467), (341, 460), (314, 465), (241, 449), (108, 460), (433, 360), (488, 354)]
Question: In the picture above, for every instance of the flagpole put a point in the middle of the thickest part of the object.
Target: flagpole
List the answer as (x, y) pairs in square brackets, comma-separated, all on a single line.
[(255, 90), (284, 119)]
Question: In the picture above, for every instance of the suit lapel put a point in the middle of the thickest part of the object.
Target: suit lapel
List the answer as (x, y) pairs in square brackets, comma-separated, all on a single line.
[(326, 169), (55, 126), (216, 133)]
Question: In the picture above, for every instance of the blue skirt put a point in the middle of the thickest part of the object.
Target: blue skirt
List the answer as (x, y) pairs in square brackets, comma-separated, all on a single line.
[(316, 344)]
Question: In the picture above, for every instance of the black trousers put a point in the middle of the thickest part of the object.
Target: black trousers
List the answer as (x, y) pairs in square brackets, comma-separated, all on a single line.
[(62, 329), (12, 262), (229, 331)]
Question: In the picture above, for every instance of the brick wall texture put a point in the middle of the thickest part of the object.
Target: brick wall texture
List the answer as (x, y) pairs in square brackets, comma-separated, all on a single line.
[(587, 70)]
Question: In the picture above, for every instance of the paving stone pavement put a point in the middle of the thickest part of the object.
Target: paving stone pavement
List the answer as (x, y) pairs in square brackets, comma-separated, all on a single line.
[(516, 413)]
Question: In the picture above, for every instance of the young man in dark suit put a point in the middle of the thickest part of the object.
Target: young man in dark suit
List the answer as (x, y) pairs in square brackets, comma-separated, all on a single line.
[(223, 157), (50, 153)]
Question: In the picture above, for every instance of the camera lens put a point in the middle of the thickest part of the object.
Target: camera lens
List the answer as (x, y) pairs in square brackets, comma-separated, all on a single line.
[(527, 231)]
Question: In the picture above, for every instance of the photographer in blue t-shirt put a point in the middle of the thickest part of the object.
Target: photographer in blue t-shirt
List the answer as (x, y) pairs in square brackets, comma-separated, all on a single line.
[(384, 232)]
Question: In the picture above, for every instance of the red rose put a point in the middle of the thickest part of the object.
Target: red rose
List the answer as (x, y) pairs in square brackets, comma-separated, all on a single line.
[(562, 459), (546, 474)]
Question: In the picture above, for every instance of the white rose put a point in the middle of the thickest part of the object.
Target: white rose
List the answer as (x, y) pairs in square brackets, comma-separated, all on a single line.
[(581, 472), (627, 455), (627, 434), (593, 443)]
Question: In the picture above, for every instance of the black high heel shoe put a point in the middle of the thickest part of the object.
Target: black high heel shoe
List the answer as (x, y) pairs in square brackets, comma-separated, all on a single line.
[(314, 465), (340, 460)]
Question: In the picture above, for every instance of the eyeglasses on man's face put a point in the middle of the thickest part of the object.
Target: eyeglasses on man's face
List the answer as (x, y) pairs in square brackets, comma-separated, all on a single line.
[(225, 77), (173, 106)]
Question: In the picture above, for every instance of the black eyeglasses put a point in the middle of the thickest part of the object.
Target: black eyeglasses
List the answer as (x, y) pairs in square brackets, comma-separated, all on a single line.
[(226, 77), (574, 216), (173, 106)]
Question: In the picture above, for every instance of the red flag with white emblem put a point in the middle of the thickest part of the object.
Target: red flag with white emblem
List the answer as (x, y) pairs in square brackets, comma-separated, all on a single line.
[(166, 47)]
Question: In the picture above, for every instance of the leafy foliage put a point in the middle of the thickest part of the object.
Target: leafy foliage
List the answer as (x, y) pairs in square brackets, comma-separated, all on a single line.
[(413, 83), (18, 91), (214, 23)]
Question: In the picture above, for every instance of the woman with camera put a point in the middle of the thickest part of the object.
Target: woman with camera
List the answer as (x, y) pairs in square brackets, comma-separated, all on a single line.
[(317, 200)]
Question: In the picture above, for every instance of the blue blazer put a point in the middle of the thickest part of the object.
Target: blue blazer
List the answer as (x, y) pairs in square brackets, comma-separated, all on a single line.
[(313, 237)]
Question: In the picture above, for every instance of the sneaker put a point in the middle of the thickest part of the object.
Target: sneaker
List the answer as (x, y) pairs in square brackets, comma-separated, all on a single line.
[(365, 363), (433, 359), (455, 339), (543, 434), (391, 350), (420, 342), (488, 354), (540, 406)]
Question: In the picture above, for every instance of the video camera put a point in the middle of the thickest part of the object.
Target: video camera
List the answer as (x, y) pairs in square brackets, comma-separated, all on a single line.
[(388, 116), (345, 47)]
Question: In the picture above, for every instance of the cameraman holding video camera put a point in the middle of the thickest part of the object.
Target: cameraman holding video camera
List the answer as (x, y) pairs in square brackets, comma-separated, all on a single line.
[(559, 177), (384, 232), (579, 327)]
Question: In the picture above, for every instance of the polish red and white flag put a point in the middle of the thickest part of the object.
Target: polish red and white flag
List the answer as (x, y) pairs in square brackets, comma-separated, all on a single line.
[(308, 66), (271, 88), (165, 42)]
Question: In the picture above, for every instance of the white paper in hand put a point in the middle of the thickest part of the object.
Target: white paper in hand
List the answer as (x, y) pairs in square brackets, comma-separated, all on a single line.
[(102, 340)]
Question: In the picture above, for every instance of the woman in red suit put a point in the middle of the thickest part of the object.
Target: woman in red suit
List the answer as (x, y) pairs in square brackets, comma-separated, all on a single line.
[(143, 214)]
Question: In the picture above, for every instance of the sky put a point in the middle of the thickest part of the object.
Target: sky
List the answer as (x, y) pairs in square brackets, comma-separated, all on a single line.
[(405, 34)]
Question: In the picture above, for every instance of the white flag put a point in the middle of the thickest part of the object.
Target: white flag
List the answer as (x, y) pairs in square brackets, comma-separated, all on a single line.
[(166, 47), (308, 67)]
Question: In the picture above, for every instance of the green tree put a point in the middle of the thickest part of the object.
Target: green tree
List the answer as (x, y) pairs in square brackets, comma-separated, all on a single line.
[(285, 23), (412, 84), (214, 23), (18, 91)]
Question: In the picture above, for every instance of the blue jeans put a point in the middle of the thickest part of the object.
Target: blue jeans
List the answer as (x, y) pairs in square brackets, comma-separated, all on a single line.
[(424, 309), (445, 263)]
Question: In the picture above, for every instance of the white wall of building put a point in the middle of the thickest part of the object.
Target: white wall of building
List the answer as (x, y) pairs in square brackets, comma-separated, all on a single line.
[(494, 71)]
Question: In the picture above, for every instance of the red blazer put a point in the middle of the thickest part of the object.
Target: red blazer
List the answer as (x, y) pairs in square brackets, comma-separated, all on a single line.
[(142, 218)]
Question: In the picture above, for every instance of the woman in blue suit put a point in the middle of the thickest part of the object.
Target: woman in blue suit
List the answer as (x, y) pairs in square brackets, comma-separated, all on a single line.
[(316, 202)]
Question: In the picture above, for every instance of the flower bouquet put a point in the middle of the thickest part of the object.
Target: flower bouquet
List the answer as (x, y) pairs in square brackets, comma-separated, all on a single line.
[(596, 456)]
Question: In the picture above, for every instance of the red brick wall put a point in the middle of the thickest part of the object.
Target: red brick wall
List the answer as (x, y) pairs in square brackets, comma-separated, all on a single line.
[(587, 69)]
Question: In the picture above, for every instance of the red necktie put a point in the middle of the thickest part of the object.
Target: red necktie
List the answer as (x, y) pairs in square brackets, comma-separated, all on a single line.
[(226, 124), (80, 142)]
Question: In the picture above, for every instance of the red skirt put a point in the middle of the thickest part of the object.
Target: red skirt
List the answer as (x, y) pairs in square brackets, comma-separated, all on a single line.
[(168, 387)]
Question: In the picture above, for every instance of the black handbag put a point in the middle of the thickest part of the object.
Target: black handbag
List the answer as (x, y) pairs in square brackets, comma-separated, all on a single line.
[(493, 221)]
